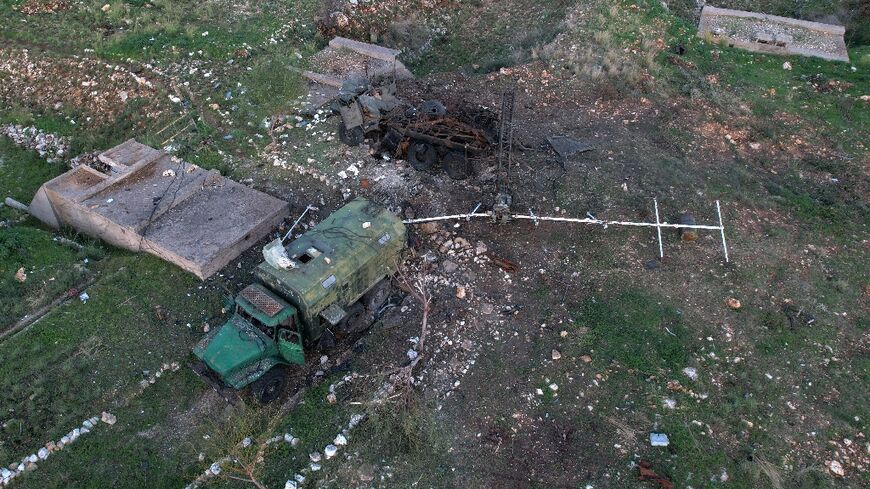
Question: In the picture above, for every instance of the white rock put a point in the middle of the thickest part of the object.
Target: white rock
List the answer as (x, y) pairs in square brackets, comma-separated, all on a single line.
[(669, 403), (836, 468), (314, 466), (330, 450), (314, 456), (355, 420), (291, 484), (246, 442), (786, 66), (340, 440), (33, 458), (215, 468), (691, 372), (108, 418), (42, 453)]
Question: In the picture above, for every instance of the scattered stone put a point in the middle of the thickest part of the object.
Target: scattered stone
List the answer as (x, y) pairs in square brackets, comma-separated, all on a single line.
[(554, 387), (429, 227), (786, 66), (586, 359), (733, 303), (486, 308), (669, 403), (563, 334), (691, 372), (366, 472), (556, 354), (108, 418), (20, 275), (215, 468), (836, 468), (340, 440), (331, 398), (450, 266), (314, 456), (460, 292), (246, 442), (329, 451), (314, 466)]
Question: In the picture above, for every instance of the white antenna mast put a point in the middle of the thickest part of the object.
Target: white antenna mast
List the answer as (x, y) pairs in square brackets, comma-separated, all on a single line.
[(593, 220)]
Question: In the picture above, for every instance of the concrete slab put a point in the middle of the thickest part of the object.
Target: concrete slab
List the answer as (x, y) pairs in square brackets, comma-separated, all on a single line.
[(178, 211), (345, 57), (773, 34)]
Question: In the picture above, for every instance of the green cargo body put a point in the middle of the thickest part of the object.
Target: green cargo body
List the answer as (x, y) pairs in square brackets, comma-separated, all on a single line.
[(338, 261)]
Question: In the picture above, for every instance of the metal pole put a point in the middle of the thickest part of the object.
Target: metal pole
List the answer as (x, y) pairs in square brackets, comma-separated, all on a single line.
[(295, 223), (659, 229), (722, 230)]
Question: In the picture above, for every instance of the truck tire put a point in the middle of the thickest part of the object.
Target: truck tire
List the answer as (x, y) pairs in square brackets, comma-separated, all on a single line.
[(456, 165), (350, 137), (375, 298), (354, 320), (422, 156), (270, 385)]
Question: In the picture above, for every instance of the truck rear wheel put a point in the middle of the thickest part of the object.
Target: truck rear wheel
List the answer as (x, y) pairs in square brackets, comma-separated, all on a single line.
[(270, 385), (422, 156), (354, 320), (375, 298), (456, 165), (350, 137)]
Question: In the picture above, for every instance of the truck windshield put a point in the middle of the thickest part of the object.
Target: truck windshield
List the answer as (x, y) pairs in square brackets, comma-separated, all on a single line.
[(254, 321)]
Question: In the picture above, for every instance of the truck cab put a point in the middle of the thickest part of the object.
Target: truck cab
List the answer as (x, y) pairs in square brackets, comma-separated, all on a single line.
[(331, 283)]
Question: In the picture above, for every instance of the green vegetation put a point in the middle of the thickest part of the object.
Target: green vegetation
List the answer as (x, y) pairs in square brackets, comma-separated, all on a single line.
[(635, 331)]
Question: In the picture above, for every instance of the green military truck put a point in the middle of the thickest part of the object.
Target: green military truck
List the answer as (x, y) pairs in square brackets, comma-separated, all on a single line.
[(329, 283)]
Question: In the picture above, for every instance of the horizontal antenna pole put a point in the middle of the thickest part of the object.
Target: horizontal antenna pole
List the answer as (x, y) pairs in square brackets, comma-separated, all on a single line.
[(445, 218), (616, 223)]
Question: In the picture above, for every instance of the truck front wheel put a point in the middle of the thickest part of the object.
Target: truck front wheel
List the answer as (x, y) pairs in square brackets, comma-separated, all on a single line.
[(270, 385)]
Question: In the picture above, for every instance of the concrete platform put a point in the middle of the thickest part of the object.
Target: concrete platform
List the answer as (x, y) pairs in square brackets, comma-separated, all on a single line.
[(772, 34), (154, 202)]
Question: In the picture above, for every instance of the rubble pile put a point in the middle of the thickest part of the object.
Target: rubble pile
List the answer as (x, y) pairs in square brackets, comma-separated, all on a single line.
[(49, 146), (100, 91), (29, 462), (412, 23)]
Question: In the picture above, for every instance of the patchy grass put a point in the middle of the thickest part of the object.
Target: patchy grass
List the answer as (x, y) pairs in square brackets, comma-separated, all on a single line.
[(486, 36), (634, 331)]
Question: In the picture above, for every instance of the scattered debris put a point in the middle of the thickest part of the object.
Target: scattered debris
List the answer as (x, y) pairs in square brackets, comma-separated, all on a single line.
[(658, 439), (648, 474), (503, 263), (567, 146)]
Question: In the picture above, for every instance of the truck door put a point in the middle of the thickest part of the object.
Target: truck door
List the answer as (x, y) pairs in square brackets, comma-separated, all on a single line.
[(290, 342)]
